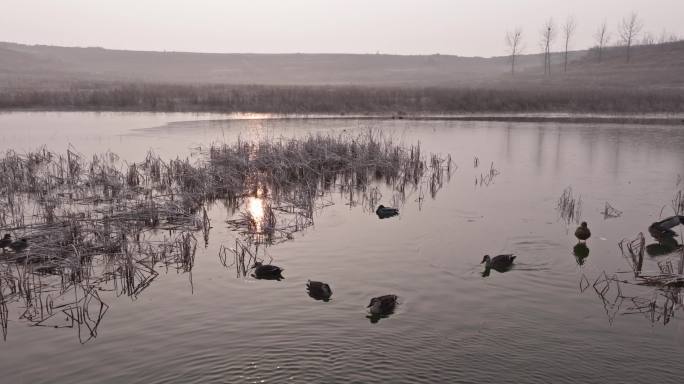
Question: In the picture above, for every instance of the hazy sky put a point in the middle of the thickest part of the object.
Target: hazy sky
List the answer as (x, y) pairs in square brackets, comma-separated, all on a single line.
[(462, 27)]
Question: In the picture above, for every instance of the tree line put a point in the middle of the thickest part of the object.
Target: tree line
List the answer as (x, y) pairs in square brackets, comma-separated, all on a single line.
[(628, 32)]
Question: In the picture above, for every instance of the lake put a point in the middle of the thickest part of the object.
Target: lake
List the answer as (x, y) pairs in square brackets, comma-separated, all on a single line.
[(542, 321)]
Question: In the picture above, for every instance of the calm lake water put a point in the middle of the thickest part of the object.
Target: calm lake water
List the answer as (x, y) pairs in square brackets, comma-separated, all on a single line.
[(535, 324)]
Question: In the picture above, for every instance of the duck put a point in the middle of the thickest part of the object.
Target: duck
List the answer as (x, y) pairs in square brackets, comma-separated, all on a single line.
[(663, 228), (18, 245), (385, 212), (382, 305), (319, 290), (5, 241), (267, 271), (582, 232), (498, 263)]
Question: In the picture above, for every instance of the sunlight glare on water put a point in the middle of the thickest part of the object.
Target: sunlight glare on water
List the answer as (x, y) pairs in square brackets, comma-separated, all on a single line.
[(255, 206)]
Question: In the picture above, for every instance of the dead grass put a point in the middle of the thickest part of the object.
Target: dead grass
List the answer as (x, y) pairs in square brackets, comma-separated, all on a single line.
[(100, 223), (569, 207)]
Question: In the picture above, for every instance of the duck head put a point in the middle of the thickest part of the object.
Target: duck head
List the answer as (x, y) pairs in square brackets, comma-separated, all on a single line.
[(257, 264), (378, 306), (486, 259), (584, 224)]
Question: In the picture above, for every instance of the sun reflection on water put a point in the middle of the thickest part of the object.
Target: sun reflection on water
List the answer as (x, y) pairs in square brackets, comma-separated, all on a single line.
[(256, 209)]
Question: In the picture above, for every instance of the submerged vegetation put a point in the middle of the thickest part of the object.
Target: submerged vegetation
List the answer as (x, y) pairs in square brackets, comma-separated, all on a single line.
[(99, 223)]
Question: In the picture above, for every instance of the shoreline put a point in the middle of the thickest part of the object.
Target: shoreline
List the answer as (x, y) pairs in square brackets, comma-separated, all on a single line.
[(669, 119)]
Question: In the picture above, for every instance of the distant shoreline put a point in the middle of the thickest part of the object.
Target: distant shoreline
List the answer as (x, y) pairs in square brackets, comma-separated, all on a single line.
[(531, 104), (537, 117)]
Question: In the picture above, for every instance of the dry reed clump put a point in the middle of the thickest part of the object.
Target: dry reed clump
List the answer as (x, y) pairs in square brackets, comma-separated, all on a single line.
[(678, 203), (569, 207), (291, 177), (90, 224), (666, 275), (610, 212), (661, 279), (99, 223), (664, 278), (485, 179), (621, 296)]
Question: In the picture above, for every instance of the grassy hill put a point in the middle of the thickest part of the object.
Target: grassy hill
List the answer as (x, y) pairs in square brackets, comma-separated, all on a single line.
[(658, 66), (24, 63), (46, 77)]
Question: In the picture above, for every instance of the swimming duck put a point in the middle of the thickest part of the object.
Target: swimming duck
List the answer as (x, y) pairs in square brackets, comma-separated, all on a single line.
[(319, 290), (385, 212), (382, 305), (5, 241), (663, 228), (18, 245), (267, 271), (498, 263), (582, 232)]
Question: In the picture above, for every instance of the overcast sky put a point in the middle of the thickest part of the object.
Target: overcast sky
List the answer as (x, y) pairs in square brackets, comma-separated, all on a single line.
[(462, 27)]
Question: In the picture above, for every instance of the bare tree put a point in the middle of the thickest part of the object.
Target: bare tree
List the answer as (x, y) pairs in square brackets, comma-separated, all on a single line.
[(602, 36), (648, 39), (514, 43), (628, 30), (662, 39), (548, 34), (568, 31)]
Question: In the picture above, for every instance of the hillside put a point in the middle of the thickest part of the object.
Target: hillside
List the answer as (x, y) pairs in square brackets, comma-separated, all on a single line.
[(44, 77), (651, 66), (24, 64)]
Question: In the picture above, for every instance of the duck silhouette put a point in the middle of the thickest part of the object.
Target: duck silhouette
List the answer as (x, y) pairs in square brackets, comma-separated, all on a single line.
[(499, 263), (386, 212), (318, 290), (5, 241), (267, 271), (582, 233), (18, 245), (381, 306), (663, 228)]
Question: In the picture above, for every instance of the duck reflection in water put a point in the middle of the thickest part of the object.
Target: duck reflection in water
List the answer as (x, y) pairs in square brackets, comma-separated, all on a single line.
[(664, 246), (381, 307), (500, 263), (581, 252)]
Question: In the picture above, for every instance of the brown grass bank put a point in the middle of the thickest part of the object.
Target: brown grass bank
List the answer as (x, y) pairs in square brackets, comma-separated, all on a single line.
[(341, 99)]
